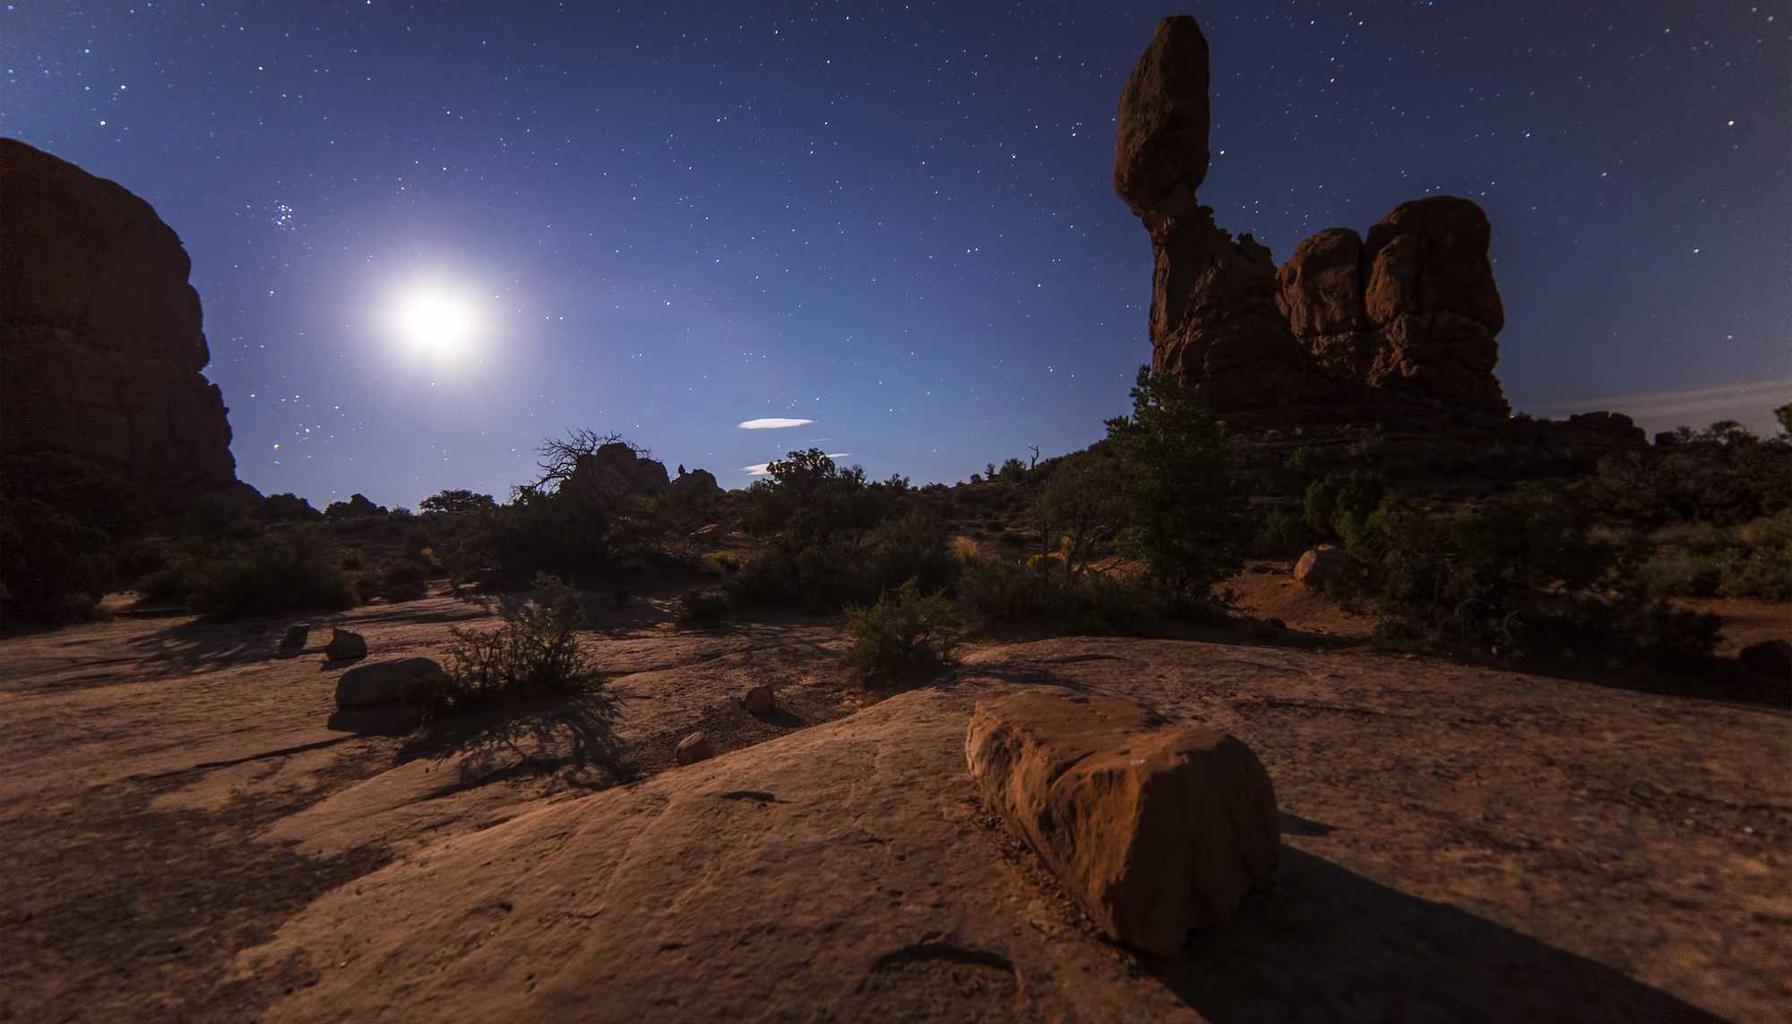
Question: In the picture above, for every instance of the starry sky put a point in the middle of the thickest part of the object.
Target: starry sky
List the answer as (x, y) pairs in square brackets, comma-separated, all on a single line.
[(892, 220)]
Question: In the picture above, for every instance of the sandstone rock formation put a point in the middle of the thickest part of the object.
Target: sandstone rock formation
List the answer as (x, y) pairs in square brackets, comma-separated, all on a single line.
[(100, 341), (1411, 313), (1398, 325), (1214, 320), (616, 469), (699, 483), (1155, 829)]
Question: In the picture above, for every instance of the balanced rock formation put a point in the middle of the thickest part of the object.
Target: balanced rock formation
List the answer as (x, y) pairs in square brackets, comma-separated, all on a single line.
[(1347, 329), (1155, 829), (1214, 320), (100, 340)]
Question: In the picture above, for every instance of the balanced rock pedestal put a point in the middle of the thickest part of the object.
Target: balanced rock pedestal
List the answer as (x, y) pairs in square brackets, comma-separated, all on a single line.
[(1155, 828)]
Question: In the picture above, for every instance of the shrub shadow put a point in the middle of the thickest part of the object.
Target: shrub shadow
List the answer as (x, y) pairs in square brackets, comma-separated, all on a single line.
[(529, 738), (1331, 945)]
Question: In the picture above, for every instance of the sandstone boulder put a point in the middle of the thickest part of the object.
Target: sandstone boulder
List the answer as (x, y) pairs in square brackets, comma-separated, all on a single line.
[(391, 681), (1154, 828), (101, 346), (295, 638), (759, 700), (693, 748), (1771, 658), (1320, 565), (345, 645)]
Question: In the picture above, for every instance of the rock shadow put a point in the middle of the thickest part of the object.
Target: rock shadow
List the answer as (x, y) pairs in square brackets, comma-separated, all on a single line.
[(1331, 945)]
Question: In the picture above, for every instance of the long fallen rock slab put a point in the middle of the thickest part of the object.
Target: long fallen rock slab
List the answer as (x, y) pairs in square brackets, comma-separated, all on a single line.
[(1156, 828)]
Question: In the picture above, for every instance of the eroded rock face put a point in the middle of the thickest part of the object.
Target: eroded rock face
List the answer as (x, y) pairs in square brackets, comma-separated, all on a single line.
[(1321, 285), (101, 346), (1155, 828), (1405, 318)]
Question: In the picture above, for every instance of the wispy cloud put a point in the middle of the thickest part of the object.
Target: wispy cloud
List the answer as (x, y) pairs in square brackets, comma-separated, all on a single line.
[(762, 468), (773, 423), (1751, 404)]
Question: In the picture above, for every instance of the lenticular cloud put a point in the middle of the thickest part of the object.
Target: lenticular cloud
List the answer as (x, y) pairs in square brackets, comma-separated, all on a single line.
[(773, 423)]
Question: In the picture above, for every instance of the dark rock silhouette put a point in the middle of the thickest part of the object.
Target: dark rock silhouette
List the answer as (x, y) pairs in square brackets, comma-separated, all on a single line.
[(616, 468), (101, 345)]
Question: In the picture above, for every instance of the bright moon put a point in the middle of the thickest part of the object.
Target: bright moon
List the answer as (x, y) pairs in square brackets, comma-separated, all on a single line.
[(435, 321)]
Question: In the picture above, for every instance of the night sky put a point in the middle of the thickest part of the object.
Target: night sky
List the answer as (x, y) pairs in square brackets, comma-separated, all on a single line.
[(892, 220)]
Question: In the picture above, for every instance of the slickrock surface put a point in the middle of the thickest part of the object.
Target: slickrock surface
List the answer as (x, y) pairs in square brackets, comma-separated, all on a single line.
[(196, 833)]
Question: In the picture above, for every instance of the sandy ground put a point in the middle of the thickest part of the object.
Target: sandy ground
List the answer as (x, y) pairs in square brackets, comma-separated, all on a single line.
[(193, 834)]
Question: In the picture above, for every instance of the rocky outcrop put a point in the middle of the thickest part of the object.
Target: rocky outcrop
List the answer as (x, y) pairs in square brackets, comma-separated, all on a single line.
[(1411, 312), (617, 469), (1399, 324), (101, 345), (697, 483), (1154, 828)]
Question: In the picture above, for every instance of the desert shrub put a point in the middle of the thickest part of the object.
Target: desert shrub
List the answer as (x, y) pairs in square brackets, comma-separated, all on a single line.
[(1760, 565), (1518, 576), (1012, 471), (1784, 415), (61, 517), (1042, 595), (1337, 504), (53, 567), (287, 569), (218, 517), (553, 532), (904, 629), (451, 502), (358, 506), (1188, 515), (1308, 460), (165, 587), (1723, 475), (287, 508), (416, 540), (1081, 509), (1283, 532), (807, 497), (535, 652), (847, 566), (1703, 560), (704, 607)]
